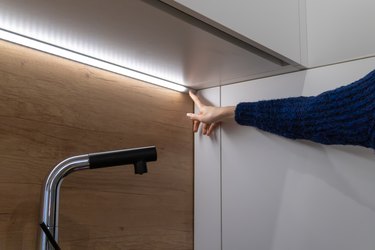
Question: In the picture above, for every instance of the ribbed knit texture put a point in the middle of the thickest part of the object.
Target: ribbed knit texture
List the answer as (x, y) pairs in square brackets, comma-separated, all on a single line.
[(345, 115)]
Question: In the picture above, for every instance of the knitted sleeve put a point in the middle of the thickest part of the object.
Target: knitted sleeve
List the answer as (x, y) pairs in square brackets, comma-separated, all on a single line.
[(345, 115)]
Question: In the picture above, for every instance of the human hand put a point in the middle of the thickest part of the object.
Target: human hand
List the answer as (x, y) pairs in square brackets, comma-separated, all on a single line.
[(209, 116)]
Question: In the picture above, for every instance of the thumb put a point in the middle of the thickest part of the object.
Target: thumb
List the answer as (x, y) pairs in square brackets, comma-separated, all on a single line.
[(194, 116)]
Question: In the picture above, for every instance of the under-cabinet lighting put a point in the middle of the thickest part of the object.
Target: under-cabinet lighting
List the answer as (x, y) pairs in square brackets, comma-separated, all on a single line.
[(75, 56)]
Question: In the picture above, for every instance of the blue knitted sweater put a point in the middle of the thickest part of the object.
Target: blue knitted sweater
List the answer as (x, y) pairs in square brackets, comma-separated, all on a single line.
[(345, 115)]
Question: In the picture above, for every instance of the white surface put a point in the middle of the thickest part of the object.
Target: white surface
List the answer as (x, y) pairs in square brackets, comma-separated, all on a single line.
[(274, 24), (282, 194), (339, 30), (253, 168), (146, 36), (207, 181)]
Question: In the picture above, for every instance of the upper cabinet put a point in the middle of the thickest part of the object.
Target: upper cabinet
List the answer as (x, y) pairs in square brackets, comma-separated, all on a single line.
[(199, 43), (339, 30), (273, 25), (147, 36), (309, 33)]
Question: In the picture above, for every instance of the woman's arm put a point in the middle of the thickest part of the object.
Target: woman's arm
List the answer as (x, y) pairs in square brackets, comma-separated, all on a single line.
[(341, 116), (345, 115)]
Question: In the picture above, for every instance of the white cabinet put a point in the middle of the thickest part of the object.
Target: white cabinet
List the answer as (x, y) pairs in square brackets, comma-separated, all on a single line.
[(339, 30), (254, 167), (309, 32), (207, 184), (271, 24), (280, 194), (256, 190)]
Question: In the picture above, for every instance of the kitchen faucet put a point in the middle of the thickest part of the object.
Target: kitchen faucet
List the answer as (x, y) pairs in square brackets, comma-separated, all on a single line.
[(51, 188)]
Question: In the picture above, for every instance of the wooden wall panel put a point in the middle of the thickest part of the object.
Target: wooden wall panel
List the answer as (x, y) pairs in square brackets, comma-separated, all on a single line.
[(52, 108)]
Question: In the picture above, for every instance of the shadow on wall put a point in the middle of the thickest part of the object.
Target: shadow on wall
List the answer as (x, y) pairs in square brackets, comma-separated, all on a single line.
[(338, 167)]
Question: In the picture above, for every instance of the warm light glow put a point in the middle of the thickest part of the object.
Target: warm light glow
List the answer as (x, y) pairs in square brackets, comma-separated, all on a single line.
[(51, 49)]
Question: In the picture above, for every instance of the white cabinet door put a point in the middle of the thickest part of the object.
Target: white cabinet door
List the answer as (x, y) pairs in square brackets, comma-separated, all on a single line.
[(273, 24), (254, 167), (281, 194), (207, 184)]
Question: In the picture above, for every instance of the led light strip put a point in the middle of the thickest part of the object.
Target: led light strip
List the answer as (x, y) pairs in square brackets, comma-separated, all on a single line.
[(65, 53)]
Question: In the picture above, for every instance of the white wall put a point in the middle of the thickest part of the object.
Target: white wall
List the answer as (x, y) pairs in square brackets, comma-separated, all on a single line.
[(284, 194)]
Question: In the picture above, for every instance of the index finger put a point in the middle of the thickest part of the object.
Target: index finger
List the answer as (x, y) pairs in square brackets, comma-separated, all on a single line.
[(195, 99)]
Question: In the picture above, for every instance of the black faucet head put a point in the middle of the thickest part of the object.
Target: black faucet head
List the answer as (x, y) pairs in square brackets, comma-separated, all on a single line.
[(137, 156), (140, 167)]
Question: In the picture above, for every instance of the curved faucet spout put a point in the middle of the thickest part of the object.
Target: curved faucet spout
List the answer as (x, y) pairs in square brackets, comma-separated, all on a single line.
[(51, 188), (51, 195)]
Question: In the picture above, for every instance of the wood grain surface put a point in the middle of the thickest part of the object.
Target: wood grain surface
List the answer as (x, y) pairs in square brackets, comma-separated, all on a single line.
[(52, 108)]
